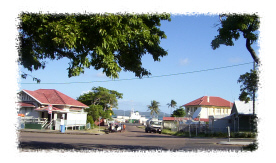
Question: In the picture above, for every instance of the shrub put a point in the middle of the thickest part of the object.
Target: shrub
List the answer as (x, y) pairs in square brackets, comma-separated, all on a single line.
[(244, 135), (90, 120), (251, 147)]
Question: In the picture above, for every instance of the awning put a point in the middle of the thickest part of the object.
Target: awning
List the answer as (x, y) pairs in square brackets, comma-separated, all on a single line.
[(24, 104)]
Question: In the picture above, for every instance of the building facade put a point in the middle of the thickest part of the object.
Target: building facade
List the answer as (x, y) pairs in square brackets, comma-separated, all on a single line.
[(49, 106), (206, 106)]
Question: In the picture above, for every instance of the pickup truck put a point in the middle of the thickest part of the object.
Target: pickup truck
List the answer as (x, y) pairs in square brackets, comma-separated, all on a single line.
[(153, 125)]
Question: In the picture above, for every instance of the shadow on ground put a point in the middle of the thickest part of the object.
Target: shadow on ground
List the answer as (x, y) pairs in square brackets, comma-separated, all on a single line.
[(26, 146)]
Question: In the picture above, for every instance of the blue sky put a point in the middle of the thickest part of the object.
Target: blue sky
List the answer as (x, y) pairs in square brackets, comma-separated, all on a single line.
[(189, 49)]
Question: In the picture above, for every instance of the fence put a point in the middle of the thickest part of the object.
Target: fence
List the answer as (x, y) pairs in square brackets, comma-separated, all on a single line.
[(30, 122), (195, 129), (40, 123)]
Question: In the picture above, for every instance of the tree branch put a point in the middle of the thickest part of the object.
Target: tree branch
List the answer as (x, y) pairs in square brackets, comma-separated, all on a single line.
[(251, 51)]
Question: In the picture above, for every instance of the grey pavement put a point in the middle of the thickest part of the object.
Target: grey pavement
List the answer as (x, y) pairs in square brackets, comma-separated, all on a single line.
[(235, 143)]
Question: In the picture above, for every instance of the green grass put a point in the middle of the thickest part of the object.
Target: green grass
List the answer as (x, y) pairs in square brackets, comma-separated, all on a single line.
[(168, 132)]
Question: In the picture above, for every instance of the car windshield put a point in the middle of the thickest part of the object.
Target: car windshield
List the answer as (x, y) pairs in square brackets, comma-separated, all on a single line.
[(156, 123)]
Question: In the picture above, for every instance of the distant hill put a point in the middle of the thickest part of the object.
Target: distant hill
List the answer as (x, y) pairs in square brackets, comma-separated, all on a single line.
[(146, 114)]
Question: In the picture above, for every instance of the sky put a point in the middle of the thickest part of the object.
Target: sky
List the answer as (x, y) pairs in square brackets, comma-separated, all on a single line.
[(188, 44), (189, 50)]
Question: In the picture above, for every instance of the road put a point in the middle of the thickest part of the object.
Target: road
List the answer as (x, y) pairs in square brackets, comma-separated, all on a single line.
[(133, 139)]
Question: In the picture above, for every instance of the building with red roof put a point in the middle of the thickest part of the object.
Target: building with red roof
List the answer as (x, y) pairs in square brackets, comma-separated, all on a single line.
[(52, 105), (206, 106)]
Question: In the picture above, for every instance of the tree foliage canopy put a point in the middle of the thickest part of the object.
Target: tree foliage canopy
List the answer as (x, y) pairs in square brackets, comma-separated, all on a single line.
[(100, 101), (232, 25), (111, 42), (180, 112), (249, 85), (172, 104), (154, 107), (101, 96)]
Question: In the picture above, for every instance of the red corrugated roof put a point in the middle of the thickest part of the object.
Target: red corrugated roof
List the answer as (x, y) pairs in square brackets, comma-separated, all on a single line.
[(202, 119), (183, 118), (38, 96), (52, 96), (213, 101), (174, 118)]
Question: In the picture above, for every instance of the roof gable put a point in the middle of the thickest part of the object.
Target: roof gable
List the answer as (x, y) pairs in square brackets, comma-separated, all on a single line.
[(210, 101), (52, 96), (243, 108), (37, 96)]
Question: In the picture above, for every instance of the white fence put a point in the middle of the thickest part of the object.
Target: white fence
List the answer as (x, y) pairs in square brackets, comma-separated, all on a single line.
[(70, 123)]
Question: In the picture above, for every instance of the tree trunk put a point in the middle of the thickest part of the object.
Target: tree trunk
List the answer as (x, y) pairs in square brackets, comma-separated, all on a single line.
[(251, 51)]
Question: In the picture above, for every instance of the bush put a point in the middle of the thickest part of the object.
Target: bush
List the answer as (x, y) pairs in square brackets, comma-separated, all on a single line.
[(243, 135), (251, 147), (90, 120)]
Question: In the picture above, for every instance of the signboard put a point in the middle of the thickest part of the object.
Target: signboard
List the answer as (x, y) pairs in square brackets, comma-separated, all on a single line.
[(50, 109)]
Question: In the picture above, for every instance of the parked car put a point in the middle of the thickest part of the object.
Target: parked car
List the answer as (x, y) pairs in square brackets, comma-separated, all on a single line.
[(153, 125)]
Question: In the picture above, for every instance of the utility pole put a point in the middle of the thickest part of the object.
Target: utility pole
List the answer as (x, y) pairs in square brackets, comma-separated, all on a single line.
[(254, 118), (254, 66)]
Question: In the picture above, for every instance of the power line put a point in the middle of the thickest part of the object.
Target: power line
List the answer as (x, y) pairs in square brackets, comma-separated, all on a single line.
[(158, 76)]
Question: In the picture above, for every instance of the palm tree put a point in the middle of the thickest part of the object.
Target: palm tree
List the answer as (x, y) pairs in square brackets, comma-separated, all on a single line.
[(172, 105), (154, 107)]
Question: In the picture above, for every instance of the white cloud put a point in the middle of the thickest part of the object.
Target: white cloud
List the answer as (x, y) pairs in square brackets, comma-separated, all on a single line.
[(84, 92), (101, 75), (184, 62)]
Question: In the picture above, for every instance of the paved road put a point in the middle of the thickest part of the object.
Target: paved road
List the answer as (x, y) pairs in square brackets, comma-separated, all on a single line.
[(133, 139)]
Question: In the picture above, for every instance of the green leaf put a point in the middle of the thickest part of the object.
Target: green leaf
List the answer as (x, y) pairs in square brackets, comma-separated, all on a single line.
[(94, 36)]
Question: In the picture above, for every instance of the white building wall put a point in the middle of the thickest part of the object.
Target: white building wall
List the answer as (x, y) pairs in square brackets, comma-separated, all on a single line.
[(204, 112), (76, 118), (210, 111)]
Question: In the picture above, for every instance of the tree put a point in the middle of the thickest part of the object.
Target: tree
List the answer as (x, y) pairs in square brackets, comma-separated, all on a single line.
[(95, 111), (100, 101), (104, 41), (90, 120), (249, 85), (172, 105), (231, 27), (180, 112), (101, 96), (154, 107)]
